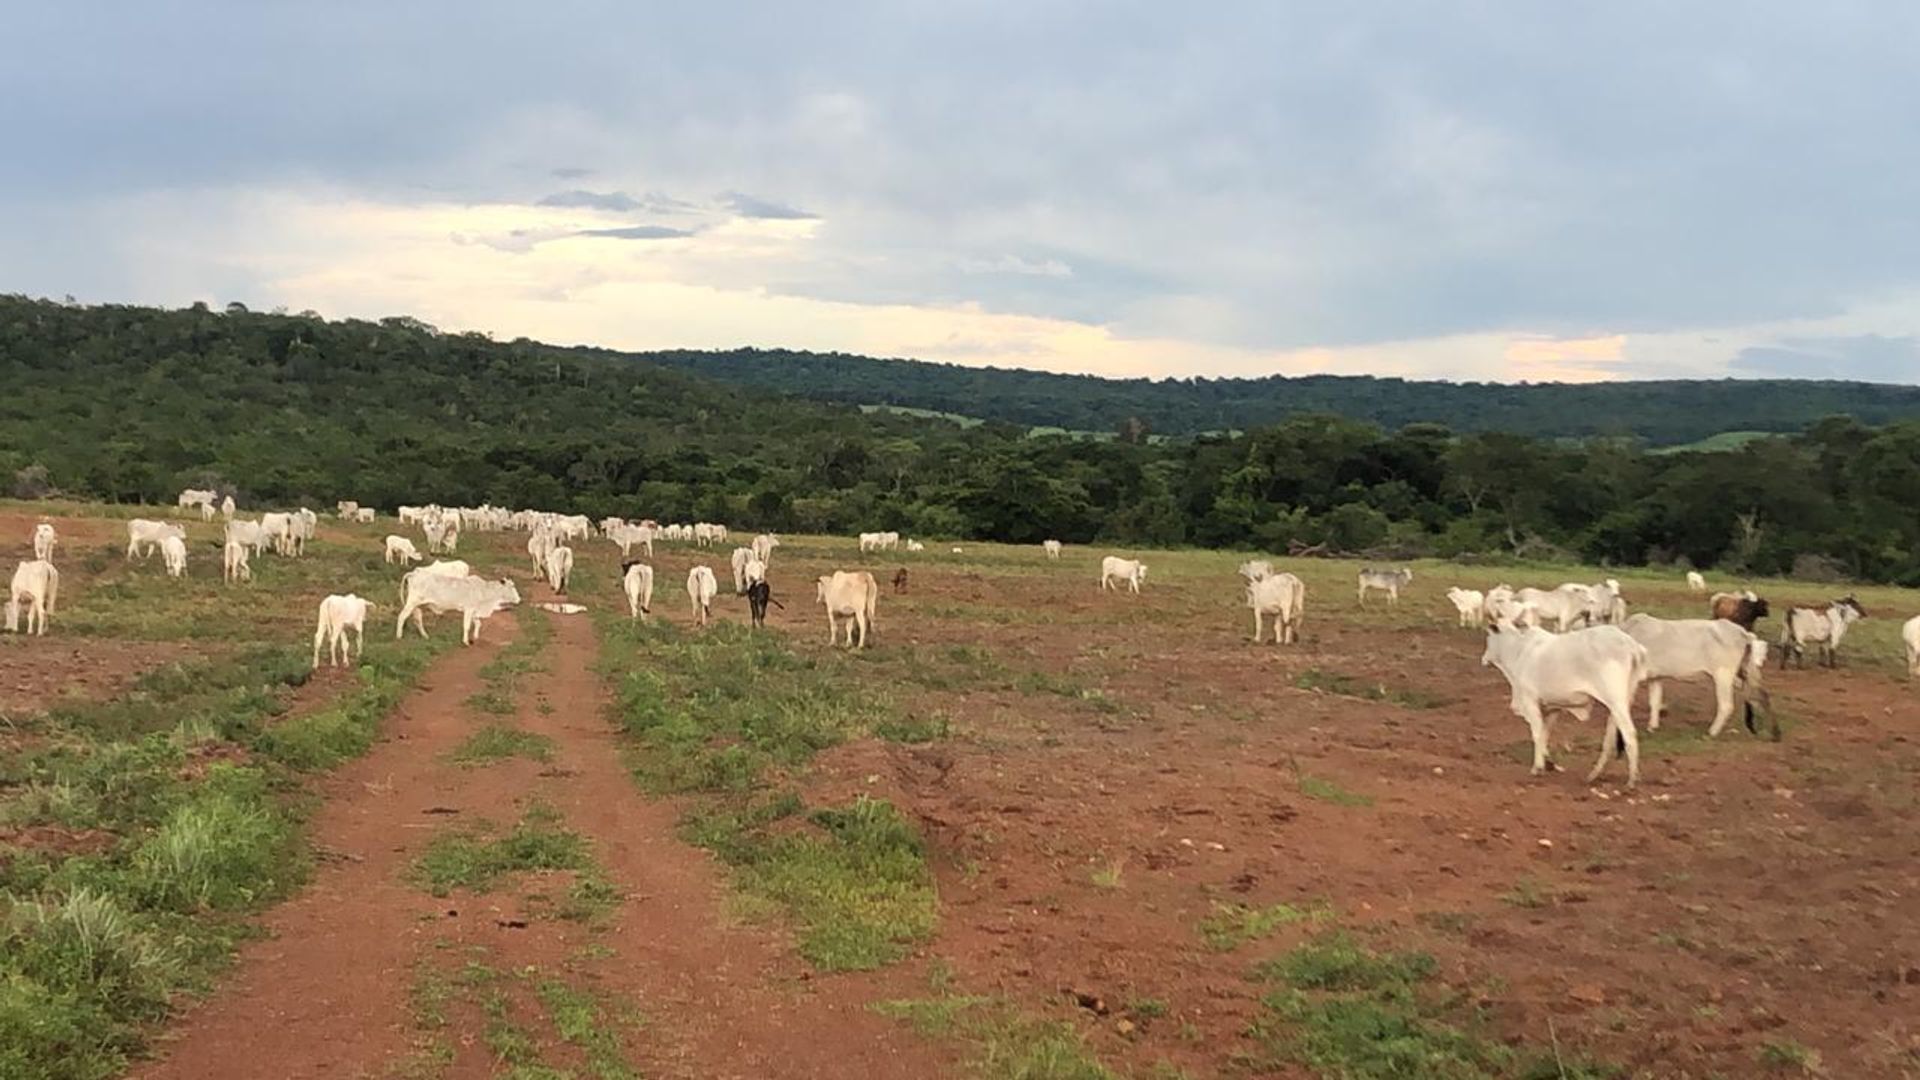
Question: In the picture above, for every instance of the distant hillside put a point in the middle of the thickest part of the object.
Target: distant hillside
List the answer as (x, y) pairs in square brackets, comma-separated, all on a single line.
[(132, 404), (1663, 413)]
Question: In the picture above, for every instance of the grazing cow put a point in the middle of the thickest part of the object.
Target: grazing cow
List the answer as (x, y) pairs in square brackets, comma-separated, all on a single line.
[(401, 550), (763, 546), (345, 509), (303, 522), (1818, 626), (1051, 547), (1741, 609), (173, 555), (628, 535), (1572, 673), (1565, 606), (1695, 582), (143, 536), (538, 544), (759, 595), (364, 515), (1131, 571), (338, 615), (915, 545), (1471, 605), (1713, 649), (900, 580), (1256, 569), (636, 578), (559, 567), (192, 499), (424, 588), (1910, 637), (1388, 581), (1282, 596), (869, 542), (851, 595), (278, 530), (741, 557), (234, 564), (701, 589), (226, 508), (43, 540), (248, 533), (37, 584)]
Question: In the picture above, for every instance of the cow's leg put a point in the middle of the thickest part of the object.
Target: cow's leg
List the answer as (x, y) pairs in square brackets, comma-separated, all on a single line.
[(1722, 701), (1655, 692), (1537, 728)]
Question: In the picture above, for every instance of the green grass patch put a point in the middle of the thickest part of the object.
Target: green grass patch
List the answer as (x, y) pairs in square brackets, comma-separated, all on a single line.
[(854, 878), (1230, 926), (1345, 1010), (503, 673), (1327, 791), (471, 859), (1334, 682), (497, 742), (587, 1023), (1003, 1043)]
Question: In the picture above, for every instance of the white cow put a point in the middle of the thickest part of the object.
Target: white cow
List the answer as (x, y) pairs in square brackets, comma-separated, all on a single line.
[(338, 615), (1282, 596), (43, 540), (1564, 607), (1051, 547), (1910, 637), (701, 589), (1471, 604), (226, 508), (234, 564), (741, 557), (474, 598), (1387, 581), (364, 515), (143, 536), (1686, 649), (1572, 673), (637, 579), (1131, 571), (1255, 570), (869, 541), (539, 543), (1696, 582), (559, 567), (173, 555), (763, 546), (278, 530), (1818, 626), (195, 499), (37, 584), (400, 550), (851, 595), (249, 533), (915, 545)]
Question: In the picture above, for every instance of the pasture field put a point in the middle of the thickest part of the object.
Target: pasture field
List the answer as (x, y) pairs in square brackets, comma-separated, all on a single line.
[(1036, 831)]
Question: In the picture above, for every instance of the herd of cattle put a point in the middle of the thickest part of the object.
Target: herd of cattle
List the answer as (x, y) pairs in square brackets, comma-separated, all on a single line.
[(1566, 649)]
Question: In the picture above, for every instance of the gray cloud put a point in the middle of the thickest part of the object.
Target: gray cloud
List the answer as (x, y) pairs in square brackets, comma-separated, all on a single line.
[(749, 206), (1870, 357), (618, 202), (1259, 175), (638, 232)]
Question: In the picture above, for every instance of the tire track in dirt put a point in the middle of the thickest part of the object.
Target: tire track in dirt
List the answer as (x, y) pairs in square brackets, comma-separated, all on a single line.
[(737, 1001), (328, 992), (324, 993)]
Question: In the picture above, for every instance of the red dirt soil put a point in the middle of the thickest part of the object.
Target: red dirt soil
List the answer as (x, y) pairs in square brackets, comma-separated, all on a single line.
[(326, 994)]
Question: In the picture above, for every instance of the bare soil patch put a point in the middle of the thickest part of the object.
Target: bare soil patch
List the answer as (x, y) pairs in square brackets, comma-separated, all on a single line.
[(39, 672)]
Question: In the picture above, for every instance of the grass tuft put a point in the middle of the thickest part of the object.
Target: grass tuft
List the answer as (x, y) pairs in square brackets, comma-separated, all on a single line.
[(1230, 926), (497, 742)]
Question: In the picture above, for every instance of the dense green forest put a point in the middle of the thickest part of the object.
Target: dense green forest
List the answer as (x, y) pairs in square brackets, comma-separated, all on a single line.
[(132, 403), (1663, 413)]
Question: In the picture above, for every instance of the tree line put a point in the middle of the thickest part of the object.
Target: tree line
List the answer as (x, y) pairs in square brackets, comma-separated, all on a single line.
[(1661, 412), (131, 404)]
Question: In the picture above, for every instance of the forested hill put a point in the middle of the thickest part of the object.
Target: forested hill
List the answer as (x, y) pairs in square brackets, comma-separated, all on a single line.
[(133, 404), (1663, 413)]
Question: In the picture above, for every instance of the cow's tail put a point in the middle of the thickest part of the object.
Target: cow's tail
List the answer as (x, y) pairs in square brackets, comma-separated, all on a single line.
[(1636, 678)]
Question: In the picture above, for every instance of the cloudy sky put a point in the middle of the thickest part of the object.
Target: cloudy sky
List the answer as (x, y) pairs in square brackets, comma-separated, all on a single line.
[(1490, 190)]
